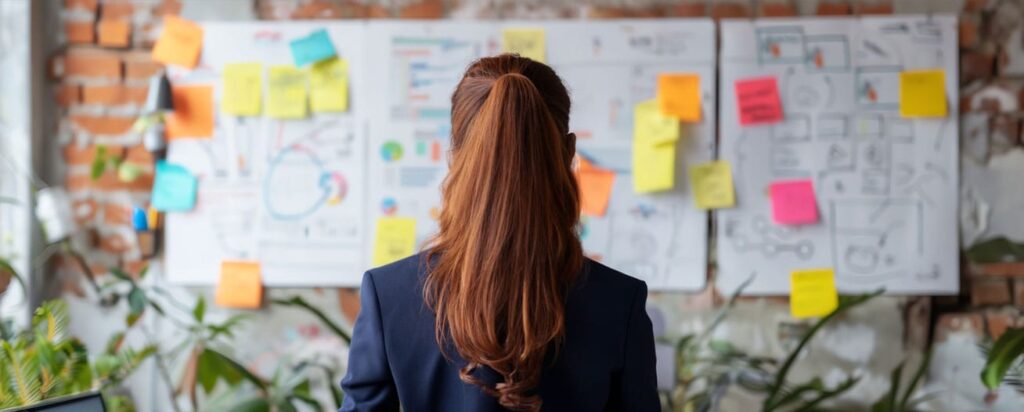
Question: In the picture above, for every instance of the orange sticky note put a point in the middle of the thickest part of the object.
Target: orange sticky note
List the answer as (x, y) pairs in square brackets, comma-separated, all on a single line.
[(114, 32), (193, 112), (240, 285), (179, 43), (679, 96), (595, 188)]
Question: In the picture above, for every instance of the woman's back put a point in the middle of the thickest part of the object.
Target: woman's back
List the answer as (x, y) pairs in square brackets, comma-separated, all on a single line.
[(605, 362)]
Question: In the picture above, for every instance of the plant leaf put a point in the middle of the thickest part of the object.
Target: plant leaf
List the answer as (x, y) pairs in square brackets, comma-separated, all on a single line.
[(298, 301), (1002, 356), (199, 310)]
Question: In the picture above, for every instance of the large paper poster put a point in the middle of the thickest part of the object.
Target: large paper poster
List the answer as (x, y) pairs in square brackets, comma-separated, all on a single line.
[(885, 186), (609, 67)]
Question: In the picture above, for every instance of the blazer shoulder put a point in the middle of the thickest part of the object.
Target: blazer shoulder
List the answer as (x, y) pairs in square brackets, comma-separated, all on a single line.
[(609, 281), (400, 276)]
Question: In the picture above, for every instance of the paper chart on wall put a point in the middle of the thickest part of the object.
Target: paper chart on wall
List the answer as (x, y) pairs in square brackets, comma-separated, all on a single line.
[(287, 193), (608, 67), (886, 186)]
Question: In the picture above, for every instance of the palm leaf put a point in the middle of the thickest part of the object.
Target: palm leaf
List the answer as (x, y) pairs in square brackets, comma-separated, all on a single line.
[(299, 302), (1004, 353)]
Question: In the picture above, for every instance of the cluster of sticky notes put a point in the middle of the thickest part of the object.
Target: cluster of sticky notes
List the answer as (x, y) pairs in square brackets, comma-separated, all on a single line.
[(240, 285), (174, 188), (193, 112), (395, 239), (758, 101), (595, 187), (793, 202), (654, 148), (923, 93), (679, 96), (179, 43), (527, 42), (712, 185), (812, 293)]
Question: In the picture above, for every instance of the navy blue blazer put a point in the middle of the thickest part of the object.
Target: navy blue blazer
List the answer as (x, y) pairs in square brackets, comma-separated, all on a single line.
[(606, 362)]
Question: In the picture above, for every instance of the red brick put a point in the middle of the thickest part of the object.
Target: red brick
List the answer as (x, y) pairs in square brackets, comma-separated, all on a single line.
[(92, 63), (114, 33), (139, 155), (103, 125), (89, 5), (140, 66), (872, 7), (80, 32), (108, 182), (106, 95), (968, 33), (689, 9), (1018, 292), (83, 210), (68, 94), (424, 9), (975, 5), (989, 291), (376, 11), (777, 9), (605, 12), (117, 9), (976, 65), (116, 214), (729, 10), (136, 94), (167, 7), (997, 321), (833, 8), (114, 243)]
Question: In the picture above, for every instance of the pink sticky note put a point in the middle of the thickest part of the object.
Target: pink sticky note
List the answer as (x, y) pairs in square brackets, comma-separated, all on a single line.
[(793, 202), (758, 102)]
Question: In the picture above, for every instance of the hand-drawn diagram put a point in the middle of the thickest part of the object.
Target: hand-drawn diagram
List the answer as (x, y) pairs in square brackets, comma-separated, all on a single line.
[(290, 194), (886, 186), (660, 238)]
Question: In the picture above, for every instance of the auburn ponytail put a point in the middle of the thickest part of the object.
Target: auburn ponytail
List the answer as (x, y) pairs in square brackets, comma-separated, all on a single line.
[(507, 249)]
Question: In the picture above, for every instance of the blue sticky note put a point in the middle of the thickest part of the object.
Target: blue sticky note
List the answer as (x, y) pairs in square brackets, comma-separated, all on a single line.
[(174, 188), (139, 219), (315, 47)]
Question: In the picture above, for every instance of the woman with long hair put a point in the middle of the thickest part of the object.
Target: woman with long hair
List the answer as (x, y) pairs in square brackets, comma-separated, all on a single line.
[(502, 311)]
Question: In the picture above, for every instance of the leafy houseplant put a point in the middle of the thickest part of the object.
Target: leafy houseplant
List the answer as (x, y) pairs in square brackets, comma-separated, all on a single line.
[(1004, 363)]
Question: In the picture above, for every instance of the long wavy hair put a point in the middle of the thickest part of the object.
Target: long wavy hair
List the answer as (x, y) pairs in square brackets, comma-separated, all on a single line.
[(507, 249)]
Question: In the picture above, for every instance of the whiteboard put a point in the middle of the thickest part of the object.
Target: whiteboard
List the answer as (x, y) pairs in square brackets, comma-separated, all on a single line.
[(886, 186), (608, 66), (391, 147), (288, 193)]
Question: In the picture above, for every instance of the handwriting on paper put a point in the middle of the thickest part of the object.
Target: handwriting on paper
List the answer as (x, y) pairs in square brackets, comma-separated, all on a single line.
[(286, 93), (758, 101)]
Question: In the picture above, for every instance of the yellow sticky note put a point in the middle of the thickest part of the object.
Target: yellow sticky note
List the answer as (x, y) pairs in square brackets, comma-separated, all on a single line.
[(812, 293), (243, 89), (396, 239), (180, 42), (654, 166), (923, 93), (679, 96), (527, 42), (240, 285), (328, 86), (712, 185), (286, 93), (650, 126)]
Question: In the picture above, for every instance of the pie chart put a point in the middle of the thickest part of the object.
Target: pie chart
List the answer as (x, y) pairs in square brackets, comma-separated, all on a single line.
[(391, 151)]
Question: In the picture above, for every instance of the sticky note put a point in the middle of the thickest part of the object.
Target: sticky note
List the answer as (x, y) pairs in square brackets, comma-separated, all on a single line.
[(395, 239), (650, 126), (114, 32), (793, 202), (242, 90), (758, 101), (679, 96), (328, 86), (654, 166), (286, 93), (923, 93), (812, 293), (240, 285), (595, 186), (313, 48), (174, 188), (526, 42), (712, 185), (193, 112), (179, 43)]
